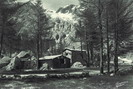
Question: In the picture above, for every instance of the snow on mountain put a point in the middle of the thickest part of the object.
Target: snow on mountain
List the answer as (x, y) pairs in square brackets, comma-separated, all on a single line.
[(65, 17), (67, 13), (73, 9), (67, 9), (21, 0)]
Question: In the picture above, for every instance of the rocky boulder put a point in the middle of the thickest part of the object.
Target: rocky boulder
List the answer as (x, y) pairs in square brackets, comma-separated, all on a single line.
[(78, 65), (4, 61), (16, 62), (44, 66)]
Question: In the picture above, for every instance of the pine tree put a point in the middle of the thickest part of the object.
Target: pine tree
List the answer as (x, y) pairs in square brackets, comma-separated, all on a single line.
[(89, 31), (42, 22), (120, 25), (5, 7)]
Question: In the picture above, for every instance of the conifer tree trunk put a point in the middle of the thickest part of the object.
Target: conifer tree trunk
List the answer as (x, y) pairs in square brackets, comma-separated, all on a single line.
[(1, 42), (108, 49), (116, 53), (41, 47), (116, 40), (88, 55), (81, 48), (91, 52), (38, 51), (2, 32), (101, 36), (87, 48), (38, 41), (81, 44), (10, 49)]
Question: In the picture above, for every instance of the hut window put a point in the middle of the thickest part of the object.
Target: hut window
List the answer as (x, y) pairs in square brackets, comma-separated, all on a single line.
[(66, 54), (64, 61), (57, 37)]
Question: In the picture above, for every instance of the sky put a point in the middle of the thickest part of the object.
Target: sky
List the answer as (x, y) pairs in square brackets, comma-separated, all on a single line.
[(55, 4)]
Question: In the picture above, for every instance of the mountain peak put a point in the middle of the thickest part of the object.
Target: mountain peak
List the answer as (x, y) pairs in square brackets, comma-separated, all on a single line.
[(67, 9)]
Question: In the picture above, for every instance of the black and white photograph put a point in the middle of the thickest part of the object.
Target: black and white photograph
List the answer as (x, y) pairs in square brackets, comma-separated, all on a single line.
[(66, 44)]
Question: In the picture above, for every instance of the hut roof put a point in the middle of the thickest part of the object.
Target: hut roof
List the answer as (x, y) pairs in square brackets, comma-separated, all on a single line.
[(49, 57), (74, 50)]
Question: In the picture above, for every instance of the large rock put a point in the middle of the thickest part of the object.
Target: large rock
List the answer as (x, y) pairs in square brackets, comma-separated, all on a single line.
[(4, 61), (78, 65), (24, 54), (44, 66), (16, 62)]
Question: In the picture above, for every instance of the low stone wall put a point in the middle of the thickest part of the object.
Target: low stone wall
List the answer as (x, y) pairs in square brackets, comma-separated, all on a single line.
[(44, 76)]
